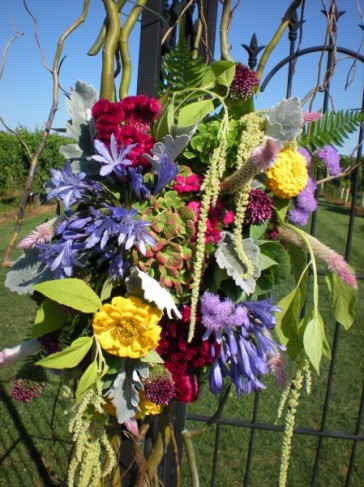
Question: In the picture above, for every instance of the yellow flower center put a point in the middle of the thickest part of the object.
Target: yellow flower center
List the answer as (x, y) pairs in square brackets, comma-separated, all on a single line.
[(125, 331)]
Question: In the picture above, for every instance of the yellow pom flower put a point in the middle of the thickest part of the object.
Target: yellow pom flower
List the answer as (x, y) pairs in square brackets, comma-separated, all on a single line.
[(127, 327), (289, 175), (147, 407)]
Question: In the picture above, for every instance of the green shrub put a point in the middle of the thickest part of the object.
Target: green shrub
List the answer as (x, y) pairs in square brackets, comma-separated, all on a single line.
[(15, 163)]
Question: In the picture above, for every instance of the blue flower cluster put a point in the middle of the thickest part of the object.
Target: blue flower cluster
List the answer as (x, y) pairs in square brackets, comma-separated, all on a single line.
[(247, 347)]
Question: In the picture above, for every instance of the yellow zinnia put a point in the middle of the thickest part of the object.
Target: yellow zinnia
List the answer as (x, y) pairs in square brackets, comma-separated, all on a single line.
[(127, 327), (147, 408), (289, 175)]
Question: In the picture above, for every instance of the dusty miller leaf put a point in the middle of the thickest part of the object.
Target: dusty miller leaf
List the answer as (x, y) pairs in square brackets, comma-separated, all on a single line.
[(139, 283), (124, 392), (79, 127), (228, 259), (26, 272)]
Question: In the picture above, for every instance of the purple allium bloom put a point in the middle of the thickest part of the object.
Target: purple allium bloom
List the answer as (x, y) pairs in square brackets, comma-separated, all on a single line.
[(244, 82), (66, 186), (167, 171), (259, 208), (159, 387), (24, 390), (246, 344), (112, 160), (61, 257), (137, 183), (306, 154), (330, 156)]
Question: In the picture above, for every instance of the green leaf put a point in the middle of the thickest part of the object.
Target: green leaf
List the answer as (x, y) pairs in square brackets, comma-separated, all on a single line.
[(88, 379), (106, 289), (314, 339), (281, 207), (256, 231), (288, 321), (152, 357), (70, 357), (221, 72), (276, 252), (342, 298), (50, 317), (194, 113), (72, 292)]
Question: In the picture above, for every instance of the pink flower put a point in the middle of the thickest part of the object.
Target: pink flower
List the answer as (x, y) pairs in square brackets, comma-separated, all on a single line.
[(264, 156), (311, 116), (187, 184), (42, 234)]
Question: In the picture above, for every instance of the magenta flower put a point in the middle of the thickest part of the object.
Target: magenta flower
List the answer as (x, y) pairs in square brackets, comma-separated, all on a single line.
[(187, 184)]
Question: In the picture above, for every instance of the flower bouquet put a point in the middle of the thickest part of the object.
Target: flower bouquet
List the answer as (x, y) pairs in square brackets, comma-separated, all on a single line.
[(176, 259)]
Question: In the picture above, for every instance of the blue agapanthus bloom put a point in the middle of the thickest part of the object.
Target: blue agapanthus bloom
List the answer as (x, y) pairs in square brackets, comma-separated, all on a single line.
[(66, 186), (61, 257), (246, 344), (167, 172), (137, 183), (113, 160)]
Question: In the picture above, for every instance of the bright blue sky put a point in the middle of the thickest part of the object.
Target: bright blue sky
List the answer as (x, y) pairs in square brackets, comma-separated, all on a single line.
[(26, 87)]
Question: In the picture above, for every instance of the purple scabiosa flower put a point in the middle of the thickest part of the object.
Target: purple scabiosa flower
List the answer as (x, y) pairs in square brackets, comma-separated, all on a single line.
[(167, 172), (113, 160), (304, 204), (215, 314), (243, 84), (159, 387), (61, 257), (306, 154), (298, 216), (24, 390), (9, 356), (66, 186), (259, 207), (331, 158)]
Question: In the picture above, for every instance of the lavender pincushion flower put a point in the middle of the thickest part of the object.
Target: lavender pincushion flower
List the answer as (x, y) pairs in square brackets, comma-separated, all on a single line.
[(331, 158)]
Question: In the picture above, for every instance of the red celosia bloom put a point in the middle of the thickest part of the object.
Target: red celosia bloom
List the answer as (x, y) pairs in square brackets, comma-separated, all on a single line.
[(129, 120), (184, 359), (140, 109), (187, 184)]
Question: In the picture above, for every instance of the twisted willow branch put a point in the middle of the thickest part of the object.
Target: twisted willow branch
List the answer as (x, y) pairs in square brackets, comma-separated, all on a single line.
[(277, 36), (124, 47), (45, 133), (111, 41)]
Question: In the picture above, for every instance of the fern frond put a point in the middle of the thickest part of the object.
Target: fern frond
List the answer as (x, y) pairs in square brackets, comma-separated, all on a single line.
[(179, 70), (331, 129)]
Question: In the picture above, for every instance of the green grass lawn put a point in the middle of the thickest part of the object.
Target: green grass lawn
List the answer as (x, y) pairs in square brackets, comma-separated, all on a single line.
[(34, 442)]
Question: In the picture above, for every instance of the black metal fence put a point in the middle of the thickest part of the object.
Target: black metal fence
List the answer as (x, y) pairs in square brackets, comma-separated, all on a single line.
[(152, 30)]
